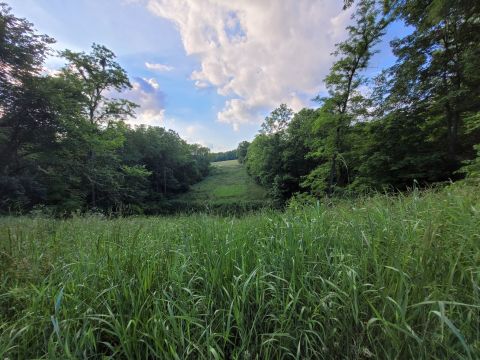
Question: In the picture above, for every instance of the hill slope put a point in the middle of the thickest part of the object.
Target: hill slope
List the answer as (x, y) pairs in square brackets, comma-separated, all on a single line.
[(228, 183)]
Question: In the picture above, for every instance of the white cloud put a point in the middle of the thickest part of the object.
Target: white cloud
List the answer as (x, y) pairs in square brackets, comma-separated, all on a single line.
[(149, 117), (50, 71), (191, 133), (147, 93), (258, 54), (130, 2), (158, 67)]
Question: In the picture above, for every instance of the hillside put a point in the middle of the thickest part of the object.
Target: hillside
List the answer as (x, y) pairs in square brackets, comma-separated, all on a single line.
[(227, 186)]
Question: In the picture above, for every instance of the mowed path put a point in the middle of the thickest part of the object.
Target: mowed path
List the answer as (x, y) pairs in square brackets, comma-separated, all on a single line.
[(228, 182)]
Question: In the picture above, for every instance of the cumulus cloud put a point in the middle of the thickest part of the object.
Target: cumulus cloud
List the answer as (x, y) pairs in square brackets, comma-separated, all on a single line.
[(130, 2), (193, 133), (146, 92), (49, 71), (158, 67), (257, 54)]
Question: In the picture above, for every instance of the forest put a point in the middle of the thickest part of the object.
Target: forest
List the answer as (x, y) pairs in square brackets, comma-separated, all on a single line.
[(349, 230), (223, 156), (65, 145), (414, 124)]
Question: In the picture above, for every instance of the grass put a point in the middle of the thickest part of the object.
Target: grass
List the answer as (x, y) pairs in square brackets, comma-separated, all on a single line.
[(381, 277), (228, 183)]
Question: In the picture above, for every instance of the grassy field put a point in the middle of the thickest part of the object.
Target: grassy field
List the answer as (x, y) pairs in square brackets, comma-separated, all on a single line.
[(227, 186), (382, 277)]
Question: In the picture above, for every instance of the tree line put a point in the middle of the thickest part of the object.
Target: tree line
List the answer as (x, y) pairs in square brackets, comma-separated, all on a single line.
[(64, 142), (223, 156), (416, 122)]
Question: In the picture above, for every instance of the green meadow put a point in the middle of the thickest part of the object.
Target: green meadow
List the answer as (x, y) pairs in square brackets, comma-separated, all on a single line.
[(227, 188), (346, 229), (386, 277)]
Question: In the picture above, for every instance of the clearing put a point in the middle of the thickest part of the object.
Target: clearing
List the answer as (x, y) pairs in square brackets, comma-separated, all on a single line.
[(228, 183)]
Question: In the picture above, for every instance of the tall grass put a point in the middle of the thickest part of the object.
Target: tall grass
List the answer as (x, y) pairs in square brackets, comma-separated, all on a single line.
[(383, 277)]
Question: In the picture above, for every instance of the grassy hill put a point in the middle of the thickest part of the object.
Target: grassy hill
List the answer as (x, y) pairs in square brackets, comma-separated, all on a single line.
[(373, 278), (227, 187)]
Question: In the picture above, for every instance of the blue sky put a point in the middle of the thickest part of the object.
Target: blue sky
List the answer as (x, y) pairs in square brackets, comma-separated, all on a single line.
[(209, 69)]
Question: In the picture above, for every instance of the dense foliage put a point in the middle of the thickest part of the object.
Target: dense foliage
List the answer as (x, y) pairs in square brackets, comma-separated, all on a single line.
[(223, 156), (242, 151), (64, 143), (416, 122), (374, 278)]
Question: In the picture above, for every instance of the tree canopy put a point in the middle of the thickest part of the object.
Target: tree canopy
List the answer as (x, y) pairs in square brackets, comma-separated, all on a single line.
[(64, 142), (417, 122)]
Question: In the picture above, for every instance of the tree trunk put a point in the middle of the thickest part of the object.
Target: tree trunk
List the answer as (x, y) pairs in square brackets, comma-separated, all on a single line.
[(333, 170), (333, 175), (164, 181)]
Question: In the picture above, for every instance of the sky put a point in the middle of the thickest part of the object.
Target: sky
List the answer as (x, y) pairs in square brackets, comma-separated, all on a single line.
[(209, 69)]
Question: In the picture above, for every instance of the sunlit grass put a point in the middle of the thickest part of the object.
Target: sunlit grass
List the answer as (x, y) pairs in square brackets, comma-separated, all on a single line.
[(228, 182), (382, 277)]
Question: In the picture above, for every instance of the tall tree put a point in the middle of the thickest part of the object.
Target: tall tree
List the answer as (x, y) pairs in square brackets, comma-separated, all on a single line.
[(277, 121), (22, 54), (436, 74), (97, 73), (242, 151), (265, 161), (345, 103), (23, 108)]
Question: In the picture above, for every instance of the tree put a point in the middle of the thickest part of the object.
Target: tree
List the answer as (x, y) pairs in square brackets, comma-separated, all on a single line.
[(264, 155), (97, 73), (345, 103), (242, 151), (171, 163), (23, 107), (223, 156), (263, 160), (299, 143), (392, 152), (436, 75), (21, 57), (277, 121)]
